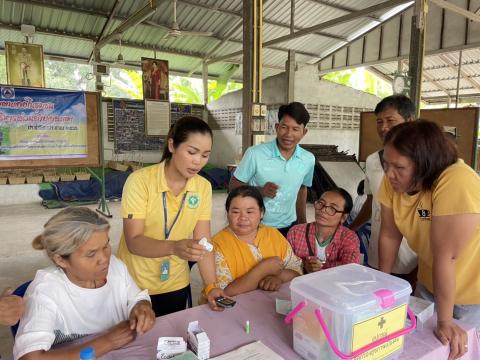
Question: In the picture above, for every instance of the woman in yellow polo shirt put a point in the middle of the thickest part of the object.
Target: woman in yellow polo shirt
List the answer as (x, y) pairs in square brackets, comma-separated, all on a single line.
[(166, 210), (432, 198)]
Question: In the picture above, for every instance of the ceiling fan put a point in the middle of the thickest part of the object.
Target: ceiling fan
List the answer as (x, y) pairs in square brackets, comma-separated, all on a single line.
[(175, 32)]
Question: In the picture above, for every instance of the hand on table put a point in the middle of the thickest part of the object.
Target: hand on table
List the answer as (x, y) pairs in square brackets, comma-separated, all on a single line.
[(270, 283), (142, 317), (450, 333), (11, 308), (120, 335), (189, 250), (212, 295)]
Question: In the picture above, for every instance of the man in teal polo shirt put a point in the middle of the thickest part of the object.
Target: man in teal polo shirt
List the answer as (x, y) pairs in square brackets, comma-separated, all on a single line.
[(281, 170)]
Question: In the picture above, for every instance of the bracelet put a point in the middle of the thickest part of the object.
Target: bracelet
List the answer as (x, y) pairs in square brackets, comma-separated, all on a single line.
[(209, 288)]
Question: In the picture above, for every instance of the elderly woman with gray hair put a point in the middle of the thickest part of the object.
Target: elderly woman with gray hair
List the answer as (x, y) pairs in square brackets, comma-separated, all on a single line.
[(88, 291)]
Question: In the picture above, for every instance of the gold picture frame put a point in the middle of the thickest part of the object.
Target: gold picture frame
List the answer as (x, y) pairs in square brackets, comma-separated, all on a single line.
[(155, 79), (25, 65)]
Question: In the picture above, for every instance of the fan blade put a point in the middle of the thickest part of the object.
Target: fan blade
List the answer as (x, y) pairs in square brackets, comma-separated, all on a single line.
[(196, 33)]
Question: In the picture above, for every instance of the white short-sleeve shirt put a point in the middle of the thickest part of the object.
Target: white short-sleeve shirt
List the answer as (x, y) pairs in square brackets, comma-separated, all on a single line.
[(58, 311)]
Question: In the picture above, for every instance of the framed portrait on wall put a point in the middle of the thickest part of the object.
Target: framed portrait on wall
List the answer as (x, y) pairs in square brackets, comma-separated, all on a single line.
[(155, 79), (24, 64)]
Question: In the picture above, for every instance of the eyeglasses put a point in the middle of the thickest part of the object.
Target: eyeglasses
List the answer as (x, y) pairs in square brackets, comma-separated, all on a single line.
[(329, 210)]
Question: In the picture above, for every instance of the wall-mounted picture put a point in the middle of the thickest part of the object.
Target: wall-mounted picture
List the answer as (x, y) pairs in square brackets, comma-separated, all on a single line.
[(155, 79), (24, 64)]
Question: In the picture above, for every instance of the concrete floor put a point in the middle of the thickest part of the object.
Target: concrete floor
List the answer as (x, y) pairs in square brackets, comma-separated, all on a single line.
[(19, 261)]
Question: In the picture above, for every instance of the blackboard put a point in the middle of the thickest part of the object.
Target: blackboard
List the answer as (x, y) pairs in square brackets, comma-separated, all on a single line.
[(129, 118), (129, 124)]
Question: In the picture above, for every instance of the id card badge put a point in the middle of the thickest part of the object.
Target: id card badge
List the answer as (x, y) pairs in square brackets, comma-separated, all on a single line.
[(165, 270)]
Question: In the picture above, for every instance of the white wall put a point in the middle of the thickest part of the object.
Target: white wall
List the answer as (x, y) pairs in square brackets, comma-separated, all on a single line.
[(227, 147), (309, 89)]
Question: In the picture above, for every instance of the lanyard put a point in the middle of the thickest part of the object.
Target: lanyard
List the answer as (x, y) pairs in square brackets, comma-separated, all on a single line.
[(165, 215)]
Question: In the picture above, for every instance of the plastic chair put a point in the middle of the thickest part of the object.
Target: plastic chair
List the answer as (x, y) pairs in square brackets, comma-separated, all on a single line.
[(19, 291), (364, 236)]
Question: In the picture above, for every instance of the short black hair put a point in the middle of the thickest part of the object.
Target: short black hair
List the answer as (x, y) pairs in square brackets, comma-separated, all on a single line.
[(345, 195), (295, 110), (401, 103), (245, 191)]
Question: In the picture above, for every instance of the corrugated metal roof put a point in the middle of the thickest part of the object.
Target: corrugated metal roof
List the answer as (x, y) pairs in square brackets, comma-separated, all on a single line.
[(441, 72), (81, 22)]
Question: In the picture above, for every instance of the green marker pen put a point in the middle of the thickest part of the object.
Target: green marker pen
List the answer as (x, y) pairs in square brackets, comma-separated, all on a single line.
[(247, 327)]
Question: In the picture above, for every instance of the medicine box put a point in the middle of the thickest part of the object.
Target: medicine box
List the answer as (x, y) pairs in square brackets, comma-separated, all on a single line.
[(198, 340), (360, 305)]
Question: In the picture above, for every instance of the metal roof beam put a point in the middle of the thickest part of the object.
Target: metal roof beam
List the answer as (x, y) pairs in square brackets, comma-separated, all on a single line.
[(59, 6), (115, 8), (389, 80), (124, 43), (190, 3), (321, 26), (436, 52), (457, 9), (463, 74), (215, 48), (229, 39), (341, 8), (451, 78), (443, 66), (133, 20), (435, 83), (451, 89), (466, 98), (240, 15), (42, 31), (380, 74)]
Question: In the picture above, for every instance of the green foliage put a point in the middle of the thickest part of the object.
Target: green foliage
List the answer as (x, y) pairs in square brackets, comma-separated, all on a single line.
[(66, 75), (127, 83), (186, 90), (361, 79), (124, 83)]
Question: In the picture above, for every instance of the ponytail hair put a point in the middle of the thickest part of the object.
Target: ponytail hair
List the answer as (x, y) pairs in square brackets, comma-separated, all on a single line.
[(180, 132), (67, 230)]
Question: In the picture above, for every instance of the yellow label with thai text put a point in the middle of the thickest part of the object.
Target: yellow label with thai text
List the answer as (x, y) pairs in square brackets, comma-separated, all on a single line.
[(375, 328)]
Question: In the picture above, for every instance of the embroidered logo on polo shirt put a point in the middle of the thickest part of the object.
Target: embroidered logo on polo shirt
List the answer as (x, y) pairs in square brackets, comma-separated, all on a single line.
[(193, 201)]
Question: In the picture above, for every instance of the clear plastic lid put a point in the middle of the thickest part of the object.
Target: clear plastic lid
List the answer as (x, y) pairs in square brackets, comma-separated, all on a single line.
[(348, 288)]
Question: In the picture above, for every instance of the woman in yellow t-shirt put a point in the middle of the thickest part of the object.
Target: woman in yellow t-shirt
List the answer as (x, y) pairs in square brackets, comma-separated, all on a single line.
[(249, 255), (432, 198), (166, 210)]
